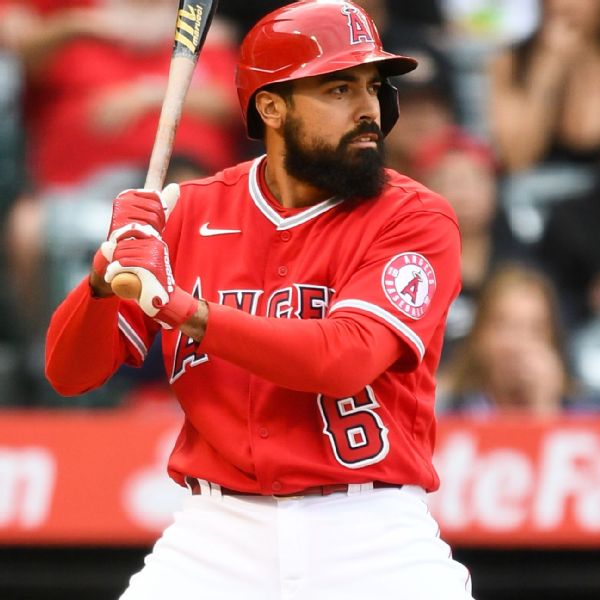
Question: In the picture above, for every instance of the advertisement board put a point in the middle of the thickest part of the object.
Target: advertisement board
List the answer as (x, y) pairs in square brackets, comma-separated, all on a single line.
[(95, 477)]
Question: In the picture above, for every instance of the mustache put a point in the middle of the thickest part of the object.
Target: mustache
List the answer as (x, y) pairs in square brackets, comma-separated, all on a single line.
[(362, 128)]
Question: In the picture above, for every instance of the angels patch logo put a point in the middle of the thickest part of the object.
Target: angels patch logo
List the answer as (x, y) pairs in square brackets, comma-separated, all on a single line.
[(358, 25), (408, 281)]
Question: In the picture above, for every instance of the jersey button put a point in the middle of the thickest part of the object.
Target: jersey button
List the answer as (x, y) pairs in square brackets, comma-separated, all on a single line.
[(285, 236), (263, 432), (282, 271), (276, 487)]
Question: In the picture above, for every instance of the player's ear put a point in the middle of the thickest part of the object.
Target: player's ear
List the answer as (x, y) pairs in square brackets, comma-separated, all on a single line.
[(271, 108)]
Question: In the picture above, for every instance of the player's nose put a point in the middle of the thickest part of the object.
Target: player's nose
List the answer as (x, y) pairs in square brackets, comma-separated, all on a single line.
[(368, 108)]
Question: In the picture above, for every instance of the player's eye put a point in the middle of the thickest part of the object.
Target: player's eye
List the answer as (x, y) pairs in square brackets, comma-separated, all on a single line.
[(340, 90), (375, 87)]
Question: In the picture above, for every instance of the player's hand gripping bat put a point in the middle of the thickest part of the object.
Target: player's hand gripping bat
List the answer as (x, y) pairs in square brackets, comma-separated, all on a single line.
[(193, 20)]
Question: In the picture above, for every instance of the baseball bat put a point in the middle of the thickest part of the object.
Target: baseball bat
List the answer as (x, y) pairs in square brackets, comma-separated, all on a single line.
[(193, 20)]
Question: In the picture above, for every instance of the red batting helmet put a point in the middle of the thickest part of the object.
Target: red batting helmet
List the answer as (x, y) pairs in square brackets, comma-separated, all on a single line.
[(314, 37)]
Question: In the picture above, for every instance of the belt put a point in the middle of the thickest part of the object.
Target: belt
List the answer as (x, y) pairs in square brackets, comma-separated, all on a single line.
[(317, 490)]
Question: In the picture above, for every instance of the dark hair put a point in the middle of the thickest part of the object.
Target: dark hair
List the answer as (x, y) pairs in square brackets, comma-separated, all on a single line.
[(285, 89), (524, 50), (466, 371)]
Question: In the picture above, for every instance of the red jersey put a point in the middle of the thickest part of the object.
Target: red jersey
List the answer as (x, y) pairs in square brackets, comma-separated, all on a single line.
[(391, 263), (77, 76)]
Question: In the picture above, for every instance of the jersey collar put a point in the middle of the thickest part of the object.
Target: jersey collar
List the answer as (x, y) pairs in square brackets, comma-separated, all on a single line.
[(278, 220)]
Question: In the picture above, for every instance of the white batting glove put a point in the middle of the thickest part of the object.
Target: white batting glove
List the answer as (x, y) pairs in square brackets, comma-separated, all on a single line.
[(160, 297), (139, 213)]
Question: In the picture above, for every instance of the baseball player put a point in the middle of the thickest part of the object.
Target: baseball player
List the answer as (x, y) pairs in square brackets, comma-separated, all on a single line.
[(302, 298)]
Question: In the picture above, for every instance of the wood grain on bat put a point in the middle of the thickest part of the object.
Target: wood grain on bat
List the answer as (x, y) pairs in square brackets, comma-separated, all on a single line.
[(192, 23)]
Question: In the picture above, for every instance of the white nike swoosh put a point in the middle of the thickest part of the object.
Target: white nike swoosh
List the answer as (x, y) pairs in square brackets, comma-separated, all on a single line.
[(207, 231)]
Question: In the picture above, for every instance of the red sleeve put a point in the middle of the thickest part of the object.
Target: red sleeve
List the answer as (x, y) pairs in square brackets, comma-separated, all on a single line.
[(386, 312), (407, 280), (336, 356), (89, 338)]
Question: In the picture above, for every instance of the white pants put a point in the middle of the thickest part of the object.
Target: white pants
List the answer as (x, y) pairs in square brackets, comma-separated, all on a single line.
[(368, 544)]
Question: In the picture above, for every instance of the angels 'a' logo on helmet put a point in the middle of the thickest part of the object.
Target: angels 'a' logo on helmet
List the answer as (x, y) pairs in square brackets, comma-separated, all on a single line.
[(358, 25), (408, 281)]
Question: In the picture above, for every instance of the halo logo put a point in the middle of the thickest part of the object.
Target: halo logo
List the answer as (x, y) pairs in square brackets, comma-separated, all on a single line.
[(408, 281)]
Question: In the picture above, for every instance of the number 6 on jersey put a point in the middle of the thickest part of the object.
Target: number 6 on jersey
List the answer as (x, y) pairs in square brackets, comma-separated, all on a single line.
[(356, 432)]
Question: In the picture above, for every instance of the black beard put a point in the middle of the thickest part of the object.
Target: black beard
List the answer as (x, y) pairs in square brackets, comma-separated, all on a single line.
[(341, 172)]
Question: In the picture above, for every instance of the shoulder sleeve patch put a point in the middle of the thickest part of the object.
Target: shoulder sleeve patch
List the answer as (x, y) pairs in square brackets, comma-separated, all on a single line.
[(408, 281)]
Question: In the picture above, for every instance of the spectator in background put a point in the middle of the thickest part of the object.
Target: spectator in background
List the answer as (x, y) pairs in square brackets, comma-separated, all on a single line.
[(427, 103), (95, 75), (475, 29), (545, 92), (462, 168), (570, 253), (243, 14), (11, 182), (514, 357), (491, 21), (425, 13), (395, 19)]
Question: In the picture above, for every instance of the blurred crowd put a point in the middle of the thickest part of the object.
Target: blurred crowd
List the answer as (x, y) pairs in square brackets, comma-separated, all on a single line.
[(501, 117)]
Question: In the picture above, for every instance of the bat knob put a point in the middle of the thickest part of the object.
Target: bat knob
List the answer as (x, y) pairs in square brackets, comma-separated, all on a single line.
[(127, 286)]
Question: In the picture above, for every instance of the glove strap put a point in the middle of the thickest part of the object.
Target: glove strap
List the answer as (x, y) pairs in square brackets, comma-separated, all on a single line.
[(180, 308)]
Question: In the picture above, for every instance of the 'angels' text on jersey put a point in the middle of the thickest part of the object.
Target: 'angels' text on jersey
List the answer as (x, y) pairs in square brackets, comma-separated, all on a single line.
[(300, 301)]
